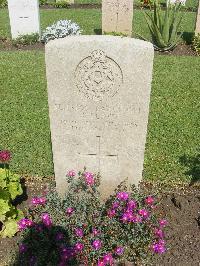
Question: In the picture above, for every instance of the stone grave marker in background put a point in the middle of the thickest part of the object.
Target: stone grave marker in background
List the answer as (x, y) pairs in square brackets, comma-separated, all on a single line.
[(68, 1), (24, 17), (99, 92), (117, 16), (197, 29)]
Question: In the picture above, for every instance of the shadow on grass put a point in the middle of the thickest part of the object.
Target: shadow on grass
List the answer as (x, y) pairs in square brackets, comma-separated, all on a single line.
[(193, 163), (188, 37), (44, 246), (98, 31)]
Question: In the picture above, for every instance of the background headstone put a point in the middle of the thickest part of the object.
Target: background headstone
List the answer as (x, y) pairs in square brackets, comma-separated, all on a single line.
[(117, 16), (68, 1), (99, 92), (197, 29), (24, 17)]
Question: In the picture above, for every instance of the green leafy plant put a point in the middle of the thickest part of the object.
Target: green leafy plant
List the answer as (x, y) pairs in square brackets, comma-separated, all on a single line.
[(27, 39), (82, 229), (113, 33), (164, 25), (196, 43), (43, 2), (61, 4), (3, 3), (10, 188)]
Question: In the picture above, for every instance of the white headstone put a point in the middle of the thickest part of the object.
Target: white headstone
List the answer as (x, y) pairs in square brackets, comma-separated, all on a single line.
[(24, 17), (117, 16), (99, 92), (197, 28)]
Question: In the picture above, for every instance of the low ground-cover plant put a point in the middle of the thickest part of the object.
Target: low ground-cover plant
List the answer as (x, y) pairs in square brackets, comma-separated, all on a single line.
[(164, 27), (196, 43), (27, 39), (60, 29), (61, 4), (10, 188), (81, 229), (3, 3)]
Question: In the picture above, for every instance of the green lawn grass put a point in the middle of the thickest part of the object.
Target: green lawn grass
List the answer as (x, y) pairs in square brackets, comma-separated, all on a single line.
[(173, 124), (90, 20)]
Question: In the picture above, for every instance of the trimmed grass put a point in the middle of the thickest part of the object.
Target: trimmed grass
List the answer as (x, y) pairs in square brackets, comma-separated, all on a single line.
[(24, 112), (90, 20), (173, 124)]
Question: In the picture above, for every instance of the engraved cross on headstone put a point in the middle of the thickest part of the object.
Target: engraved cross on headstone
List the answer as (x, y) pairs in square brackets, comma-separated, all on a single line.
[(98, 155)]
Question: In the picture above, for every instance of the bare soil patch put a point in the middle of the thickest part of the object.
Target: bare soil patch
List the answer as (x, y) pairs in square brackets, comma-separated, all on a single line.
[(7, 45)]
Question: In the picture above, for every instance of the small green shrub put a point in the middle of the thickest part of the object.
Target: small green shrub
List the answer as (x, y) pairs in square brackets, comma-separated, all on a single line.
[(43, 2), (61, 4), (82, 229), (196, 43), (27, 39), (113, 33), (10, 188), (3, 3)]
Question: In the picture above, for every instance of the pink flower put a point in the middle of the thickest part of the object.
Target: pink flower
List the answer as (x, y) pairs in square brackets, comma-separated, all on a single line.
[(46, 219), (115, 205), (123, 196), (163, 222), (25, 223), (97, 244), (159, 247), (79, 247), (159, 233), (69, 211), (5, 156), (89, 178), (42, 200), (125, 217), (22, 248), (119, 251), (144, 213), (79, 232), (101, 263), (111, 213), (71, 173), (95, 232), (108, 259), (38, 201), (149, 200), (132, 204), (34, 201)]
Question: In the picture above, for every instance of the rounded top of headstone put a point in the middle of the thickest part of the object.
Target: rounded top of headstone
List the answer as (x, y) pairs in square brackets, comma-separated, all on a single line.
[(111, 40)]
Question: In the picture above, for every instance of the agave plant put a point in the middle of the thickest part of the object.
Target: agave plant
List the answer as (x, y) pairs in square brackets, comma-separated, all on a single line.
[(164, 25)]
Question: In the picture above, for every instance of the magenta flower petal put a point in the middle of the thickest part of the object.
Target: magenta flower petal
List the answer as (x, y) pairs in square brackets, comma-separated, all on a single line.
[(5, 156), (97, 244)]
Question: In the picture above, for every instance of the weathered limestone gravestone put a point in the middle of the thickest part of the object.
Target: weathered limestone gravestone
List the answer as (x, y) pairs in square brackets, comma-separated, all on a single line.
[(117, 16), (68, 1), (197, 29), (99, 92), (24, 17)]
